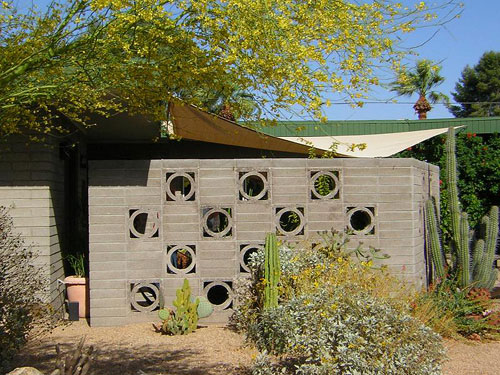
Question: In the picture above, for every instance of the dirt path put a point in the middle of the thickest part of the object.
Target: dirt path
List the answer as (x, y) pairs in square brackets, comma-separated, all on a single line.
[(138, 350)]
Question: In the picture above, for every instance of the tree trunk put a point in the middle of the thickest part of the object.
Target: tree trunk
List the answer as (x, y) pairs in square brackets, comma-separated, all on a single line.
[(421, 107)]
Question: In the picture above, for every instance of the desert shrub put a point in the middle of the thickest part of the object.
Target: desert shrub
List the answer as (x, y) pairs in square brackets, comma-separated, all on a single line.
[(337, 331), (457, 311), (21, 286), (337, 313)]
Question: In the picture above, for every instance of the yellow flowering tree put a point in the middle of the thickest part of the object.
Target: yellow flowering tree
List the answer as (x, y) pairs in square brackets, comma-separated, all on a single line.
[(100, 56)]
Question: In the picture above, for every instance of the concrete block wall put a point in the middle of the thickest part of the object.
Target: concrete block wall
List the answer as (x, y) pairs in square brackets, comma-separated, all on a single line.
[(144, 214), (32, 185)]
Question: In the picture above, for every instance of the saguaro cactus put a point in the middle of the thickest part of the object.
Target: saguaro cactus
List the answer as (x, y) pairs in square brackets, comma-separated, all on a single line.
[(271, 271), (474, 256)]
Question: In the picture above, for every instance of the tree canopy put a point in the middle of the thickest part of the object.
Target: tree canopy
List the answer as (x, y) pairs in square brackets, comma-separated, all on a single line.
[(421, 81), (100, 56), (478, 90)]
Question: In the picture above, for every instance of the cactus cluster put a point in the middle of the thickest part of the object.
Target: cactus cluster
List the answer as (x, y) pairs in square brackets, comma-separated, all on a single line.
[(184, 319), (473, 255), (271, 271)]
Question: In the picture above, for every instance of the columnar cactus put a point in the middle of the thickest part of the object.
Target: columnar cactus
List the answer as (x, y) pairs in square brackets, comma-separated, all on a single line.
[(479, 270), (271, 272), (433, 242)]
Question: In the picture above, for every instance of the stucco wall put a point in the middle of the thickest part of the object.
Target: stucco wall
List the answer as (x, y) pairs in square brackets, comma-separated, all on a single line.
[(137, 222)]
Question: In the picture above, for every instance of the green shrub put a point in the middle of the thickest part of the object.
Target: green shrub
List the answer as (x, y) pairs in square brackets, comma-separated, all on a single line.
[(478, 160), (21, 291), (337, 331), (336, 314)]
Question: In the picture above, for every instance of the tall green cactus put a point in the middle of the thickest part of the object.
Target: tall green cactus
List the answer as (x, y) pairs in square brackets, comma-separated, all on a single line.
[(433, 242), (271, 272), (474, 256)]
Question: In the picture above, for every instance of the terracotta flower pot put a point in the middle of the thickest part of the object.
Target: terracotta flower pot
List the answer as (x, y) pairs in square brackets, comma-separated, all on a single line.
[(77, 290)]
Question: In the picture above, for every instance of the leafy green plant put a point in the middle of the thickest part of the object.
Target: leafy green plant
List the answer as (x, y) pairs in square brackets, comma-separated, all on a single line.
[(77, 264), (184, 319)]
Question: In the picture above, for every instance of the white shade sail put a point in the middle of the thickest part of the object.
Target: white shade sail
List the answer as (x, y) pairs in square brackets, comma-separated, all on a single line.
[(377, 145)]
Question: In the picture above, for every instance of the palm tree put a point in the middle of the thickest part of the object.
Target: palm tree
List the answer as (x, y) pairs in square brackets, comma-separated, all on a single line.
[(422, 80)]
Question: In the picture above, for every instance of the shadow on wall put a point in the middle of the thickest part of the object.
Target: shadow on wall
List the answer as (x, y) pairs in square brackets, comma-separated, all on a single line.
[(45, 185), (121, 173)]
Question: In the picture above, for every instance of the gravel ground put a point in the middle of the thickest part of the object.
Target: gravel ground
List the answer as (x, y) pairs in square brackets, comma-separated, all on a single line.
[(138, 350)]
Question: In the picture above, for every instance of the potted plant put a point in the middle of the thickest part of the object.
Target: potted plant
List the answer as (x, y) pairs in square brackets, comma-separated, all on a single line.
[(77, 285)]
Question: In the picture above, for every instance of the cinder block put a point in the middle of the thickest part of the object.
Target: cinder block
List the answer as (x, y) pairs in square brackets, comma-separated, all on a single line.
[(108, 228), (288, 163), (107, 238), (185, 236), (119, 265), (96, 294), (107, 201), (214, 174), (326, 163), (223, 191), (96, 248), (180, 164), (111, 312), (107, 274), (153, 273), (219, 163), (110, 302), (257, 164), (147, 266), (119, 287), (358, 180)]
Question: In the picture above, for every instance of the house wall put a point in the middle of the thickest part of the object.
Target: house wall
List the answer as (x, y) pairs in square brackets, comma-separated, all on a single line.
[(32, 185), (137, 222), (47, 210)]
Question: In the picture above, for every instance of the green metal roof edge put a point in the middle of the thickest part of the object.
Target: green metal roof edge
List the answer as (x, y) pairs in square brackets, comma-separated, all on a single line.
[(478, 125)]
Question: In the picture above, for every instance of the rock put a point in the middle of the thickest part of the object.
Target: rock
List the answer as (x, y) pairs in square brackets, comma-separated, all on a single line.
[(474, 337), (25, 371)]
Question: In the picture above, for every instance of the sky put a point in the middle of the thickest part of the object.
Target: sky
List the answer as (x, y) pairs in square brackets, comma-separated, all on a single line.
[(461, 42)]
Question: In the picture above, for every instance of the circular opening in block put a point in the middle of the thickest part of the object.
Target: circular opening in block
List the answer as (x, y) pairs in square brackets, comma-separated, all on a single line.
[(217, 223), (181, 259), (246, 253), (253, 186), (140, 222), (361, 220), (143, 224), (290, 221), (180, 187), (144, 297), (219, 294), (325, 185)]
